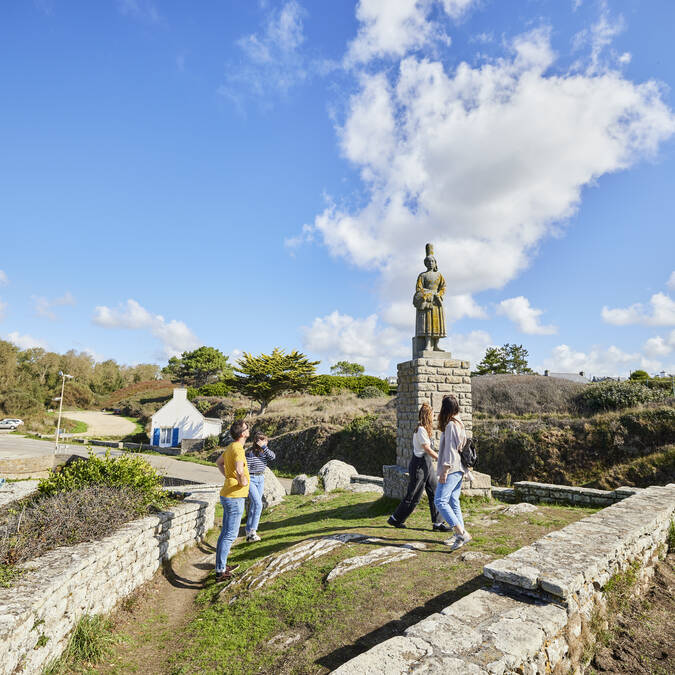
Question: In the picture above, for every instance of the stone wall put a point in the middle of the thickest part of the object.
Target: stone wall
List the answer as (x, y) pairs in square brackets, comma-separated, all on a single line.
[(536, 616), (526, 491), (57, 589), (396, 483)]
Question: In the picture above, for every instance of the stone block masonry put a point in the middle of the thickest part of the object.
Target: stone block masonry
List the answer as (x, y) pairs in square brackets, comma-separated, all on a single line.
[(536, 616), (57, 589), (428, 380)]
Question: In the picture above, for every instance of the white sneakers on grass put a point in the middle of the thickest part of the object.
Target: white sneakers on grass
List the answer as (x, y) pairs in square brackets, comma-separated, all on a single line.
[(252, 537), (458, 541)]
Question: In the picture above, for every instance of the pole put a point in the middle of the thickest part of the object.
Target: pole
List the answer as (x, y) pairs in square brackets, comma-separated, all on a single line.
[(58, 424)]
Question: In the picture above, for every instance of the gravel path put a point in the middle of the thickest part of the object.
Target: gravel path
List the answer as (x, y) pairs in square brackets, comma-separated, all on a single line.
[(101, 423)]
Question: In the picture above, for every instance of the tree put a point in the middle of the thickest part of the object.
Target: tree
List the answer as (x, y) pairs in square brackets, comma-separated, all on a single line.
[(199, 366), (639, 375), (510, 358), (347, 368), (263, 378)]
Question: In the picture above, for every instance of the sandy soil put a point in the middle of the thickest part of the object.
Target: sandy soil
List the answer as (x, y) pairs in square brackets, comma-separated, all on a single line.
[(101, 423)]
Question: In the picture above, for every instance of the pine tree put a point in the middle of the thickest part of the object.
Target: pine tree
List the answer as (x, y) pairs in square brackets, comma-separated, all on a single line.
[(263, 378), (347, 368)]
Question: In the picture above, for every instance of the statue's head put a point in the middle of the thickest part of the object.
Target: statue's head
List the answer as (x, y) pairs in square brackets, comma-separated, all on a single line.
[(430, 263)]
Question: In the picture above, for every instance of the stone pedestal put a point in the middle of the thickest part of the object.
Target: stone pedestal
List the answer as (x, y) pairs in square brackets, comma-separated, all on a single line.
[(428, 380)]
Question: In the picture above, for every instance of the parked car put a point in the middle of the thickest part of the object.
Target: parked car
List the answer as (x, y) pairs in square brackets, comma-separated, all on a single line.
[(10, 423)]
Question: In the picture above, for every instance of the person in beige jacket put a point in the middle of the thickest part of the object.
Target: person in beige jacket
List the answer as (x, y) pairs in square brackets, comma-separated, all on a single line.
[(450, 470)]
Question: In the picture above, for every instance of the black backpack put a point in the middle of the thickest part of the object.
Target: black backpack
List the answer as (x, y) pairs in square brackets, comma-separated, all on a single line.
[(469, 454)]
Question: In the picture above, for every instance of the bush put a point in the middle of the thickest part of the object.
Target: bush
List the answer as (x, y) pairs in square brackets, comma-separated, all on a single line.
[(323, 385), (65, 519), (607, 396), (215, 389), (127, 471), (371, 392)]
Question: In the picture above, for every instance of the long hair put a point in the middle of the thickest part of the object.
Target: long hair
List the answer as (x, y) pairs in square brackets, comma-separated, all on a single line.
[(449, 411), (426, 419)]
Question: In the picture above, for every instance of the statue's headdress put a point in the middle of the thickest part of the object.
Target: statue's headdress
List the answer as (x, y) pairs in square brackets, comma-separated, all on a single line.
[(430, 249)]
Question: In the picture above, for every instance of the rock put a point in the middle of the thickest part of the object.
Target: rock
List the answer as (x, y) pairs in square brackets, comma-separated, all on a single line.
[(273, 492), (366, 487), (283, 640), (473, 555), (379, 556), (336, 475), (517, 509), (304, 485)]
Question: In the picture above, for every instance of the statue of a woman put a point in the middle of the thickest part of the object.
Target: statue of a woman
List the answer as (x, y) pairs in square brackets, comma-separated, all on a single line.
[(428, 300)]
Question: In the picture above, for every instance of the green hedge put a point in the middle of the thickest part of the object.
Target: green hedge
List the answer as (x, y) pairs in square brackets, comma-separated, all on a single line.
[(324, 385), (607, 396)]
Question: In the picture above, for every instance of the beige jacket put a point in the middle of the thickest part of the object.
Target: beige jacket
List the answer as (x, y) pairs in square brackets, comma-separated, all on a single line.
[(452, 441)]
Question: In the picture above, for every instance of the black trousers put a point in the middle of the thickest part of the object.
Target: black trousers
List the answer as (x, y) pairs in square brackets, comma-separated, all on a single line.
[(422, 478)]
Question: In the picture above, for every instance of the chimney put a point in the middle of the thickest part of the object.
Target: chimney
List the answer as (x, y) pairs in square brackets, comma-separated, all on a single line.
[(180, 394)]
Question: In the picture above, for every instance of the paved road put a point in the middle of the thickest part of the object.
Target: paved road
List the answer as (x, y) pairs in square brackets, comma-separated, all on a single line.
[(101, 423), (13, 446)]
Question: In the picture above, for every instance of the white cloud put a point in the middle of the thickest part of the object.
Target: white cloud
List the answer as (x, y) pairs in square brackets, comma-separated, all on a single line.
[(273, 60), (25, 341), (485, 162), (337, 337), (393, 29), (658, 346), (671, 281), (4, 280), (609, 362), (43, 306), (174, 335), (3, 307), (599, 36), (469, 346), (524, 316), (661, 313)]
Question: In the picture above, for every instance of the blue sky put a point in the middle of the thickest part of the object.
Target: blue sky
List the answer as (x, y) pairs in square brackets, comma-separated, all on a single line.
[(250, 174)]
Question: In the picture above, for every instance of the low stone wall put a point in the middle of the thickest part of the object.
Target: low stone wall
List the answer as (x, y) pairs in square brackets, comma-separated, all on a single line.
[(396, 483), (535, 618), (57, 589), (526, 491)]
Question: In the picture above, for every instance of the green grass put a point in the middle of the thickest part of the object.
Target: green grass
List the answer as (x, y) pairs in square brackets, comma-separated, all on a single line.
[(90, 643), (140, 429), (336, 621), (7, 575), (77, 426)]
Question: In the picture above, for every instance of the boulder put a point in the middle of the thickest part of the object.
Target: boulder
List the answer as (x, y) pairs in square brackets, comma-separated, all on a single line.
[(517, 509), (336, 475), (304, 485), (274, 492)]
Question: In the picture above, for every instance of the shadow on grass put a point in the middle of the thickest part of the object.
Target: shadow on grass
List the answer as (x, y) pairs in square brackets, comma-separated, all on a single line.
[(393, 628)]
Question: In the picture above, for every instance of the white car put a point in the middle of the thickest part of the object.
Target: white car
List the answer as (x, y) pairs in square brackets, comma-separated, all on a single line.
[(10, 423)]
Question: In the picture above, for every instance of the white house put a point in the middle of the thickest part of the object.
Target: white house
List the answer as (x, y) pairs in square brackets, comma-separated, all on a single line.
[(179, 419)]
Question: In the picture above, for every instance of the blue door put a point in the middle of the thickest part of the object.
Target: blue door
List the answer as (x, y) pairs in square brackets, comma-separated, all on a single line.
[(174, 437), (155, 437)]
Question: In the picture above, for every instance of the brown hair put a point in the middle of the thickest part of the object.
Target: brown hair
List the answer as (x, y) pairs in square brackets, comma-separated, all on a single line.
[(237, 429), (426, 418), (449, 411), (258, 436)]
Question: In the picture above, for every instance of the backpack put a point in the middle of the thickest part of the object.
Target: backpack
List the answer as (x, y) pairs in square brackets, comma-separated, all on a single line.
[(469, 454)]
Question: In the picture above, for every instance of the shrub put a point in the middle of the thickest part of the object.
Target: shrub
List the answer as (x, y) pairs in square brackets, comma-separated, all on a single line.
[(607, 396), (215, 389), (128, 471), (65, 519), (323, 385), (371, 392)]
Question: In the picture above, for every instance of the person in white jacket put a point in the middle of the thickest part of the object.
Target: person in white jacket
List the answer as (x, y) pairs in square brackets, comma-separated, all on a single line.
[(450, 470)]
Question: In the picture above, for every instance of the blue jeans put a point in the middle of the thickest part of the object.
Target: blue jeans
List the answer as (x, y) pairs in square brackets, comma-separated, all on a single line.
[(255, 495), (447, 499), (233, 508)]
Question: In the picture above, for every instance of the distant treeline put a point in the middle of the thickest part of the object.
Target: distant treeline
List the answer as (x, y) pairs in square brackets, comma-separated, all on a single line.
[(29, 379)]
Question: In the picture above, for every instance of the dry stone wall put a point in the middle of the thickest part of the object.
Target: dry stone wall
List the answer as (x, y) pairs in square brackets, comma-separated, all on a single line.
[(54, 591), (535, 618)]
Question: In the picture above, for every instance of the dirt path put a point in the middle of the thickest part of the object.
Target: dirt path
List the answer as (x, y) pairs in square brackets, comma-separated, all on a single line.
[(101, 423), (151, 620)]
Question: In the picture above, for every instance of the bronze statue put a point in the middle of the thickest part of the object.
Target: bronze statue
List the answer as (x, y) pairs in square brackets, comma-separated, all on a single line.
[(428, 300)]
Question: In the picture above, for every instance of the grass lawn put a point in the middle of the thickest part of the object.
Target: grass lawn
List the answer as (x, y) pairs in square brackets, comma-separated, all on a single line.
[(302, 624)]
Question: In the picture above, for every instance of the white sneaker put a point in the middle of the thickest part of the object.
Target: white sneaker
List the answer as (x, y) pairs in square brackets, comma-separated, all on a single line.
[(459, 541), (252, 537)]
